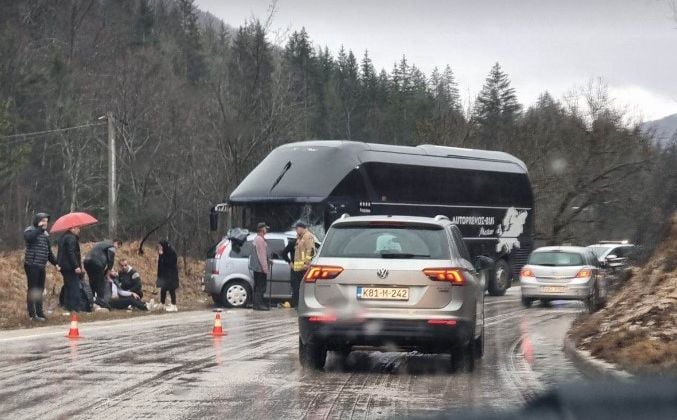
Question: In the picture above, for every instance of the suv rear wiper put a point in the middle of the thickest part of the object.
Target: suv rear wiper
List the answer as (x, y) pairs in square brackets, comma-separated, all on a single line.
[(403, 255)]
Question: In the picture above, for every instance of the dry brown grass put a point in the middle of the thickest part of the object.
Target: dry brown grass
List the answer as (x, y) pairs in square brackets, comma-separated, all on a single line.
[(638, 328), (13, 286)]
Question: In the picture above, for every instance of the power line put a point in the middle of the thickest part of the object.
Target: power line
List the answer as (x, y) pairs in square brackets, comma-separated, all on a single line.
[(25, 136)]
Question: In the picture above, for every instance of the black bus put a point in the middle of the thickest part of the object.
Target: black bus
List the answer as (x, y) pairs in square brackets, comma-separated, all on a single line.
[(486, 193)]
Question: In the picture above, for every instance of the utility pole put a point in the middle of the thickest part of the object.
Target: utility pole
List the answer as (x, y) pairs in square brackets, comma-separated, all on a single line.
[(112, 183)]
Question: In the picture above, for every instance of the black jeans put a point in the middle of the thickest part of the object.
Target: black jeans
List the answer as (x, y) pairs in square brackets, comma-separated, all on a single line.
[(35, 274), (97, 281), (72, 300), (260, 283), (163, 295), (123, 302), (296, 278)]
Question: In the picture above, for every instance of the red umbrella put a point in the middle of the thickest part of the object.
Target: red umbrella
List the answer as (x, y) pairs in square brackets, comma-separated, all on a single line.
[(72, 220)]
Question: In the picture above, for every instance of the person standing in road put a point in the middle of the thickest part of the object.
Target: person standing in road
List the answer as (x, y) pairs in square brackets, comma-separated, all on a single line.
[(98, 264), (69, 259), (259, 264), (304, 250), (167, 274), (38, 253)]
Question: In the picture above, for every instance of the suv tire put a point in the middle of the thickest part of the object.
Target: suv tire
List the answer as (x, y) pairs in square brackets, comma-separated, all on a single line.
[(236, 294), (312, 355), (527, 302), (478, 346), (501, 280), (463, 357)]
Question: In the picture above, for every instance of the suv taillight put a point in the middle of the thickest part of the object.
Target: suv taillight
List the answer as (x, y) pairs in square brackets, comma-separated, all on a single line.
[(584, 274), (526, 272), (452, 275), (220, 250), (322, 272)]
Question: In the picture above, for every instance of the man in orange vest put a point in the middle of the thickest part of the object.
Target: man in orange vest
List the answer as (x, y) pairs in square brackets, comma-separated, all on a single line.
[(304, 251)]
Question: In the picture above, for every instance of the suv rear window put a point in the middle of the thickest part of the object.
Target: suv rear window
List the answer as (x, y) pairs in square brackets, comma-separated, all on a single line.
[(398, 242), (556, 259)]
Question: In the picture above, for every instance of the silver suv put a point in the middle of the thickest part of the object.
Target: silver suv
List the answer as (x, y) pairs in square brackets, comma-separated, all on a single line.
[(228, 279), (563, 273), (392, 281)]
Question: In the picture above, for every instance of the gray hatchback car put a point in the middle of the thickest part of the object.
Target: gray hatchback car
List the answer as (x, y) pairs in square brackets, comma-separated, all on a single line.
[(228, 279), (393, 282), (563, 273)]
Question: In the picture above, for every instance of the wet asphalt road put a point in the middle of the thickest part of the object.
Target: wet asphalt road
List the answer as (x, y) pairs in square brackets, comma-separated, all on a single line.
[(170, 367)]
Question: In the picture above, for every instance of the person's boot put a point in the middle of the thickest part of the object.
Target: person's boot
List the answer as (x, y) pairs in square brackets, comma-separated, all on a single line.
[(39, 312), (30, 306)]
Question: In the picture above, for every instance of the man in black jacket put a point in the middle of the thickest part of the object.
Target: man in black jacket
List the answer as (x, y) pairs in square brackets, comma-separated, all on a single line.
[(130, 279), (98, 263), (70, 261), (38, 253)]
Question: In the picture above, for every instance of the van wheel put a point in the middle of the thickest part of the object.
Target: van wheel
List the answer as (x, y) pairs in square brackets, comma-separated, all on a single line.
[(312, 355), (236, 294), (501, 281)]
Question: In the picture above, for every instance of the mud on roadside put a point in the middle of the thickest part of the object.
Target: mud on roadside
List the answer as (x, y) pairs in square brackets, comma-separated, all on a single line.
[(637, 330)]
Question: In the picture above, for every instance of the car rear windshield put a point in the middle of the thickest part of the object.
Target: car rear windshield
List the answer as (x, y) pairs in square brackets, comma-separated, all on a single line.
[(599, 250), (556, 258), (397, 242)]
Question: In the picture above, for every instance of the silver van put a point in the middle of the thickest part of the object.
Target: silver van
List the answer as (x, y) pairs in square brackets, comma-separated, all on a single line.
[(227, 277)]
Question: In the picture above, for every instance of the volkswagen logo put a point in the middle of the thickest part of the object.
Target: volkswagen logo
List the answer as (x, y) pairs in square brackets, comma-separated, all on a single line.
[(382, 273)]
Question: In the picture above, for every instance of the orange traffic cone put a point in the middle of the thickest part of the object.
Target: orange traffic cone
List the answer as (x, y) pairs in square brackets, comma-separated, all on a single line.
[(217, 331), (74, 332)]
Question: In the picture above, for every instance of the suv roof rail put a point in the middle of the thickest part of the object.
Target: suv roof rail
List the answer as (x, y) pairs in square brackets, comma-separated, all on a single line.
[(344, 216), (623, 242), (440, 217)]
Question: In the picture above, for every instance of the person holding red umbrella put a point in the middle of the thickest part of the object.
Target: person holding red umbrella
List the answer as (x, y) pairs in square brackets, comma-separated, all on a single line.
[(69, 257), (70, 261)]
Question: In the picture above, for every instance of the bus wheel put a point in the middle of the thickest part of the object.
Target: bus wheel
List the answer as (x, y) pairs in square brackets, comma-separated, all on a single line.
[(501, 281)]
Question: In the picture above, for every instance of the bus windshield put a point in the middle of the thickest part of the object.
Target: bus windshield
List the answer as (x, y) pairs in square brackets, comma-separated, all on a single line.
[(280, 217)]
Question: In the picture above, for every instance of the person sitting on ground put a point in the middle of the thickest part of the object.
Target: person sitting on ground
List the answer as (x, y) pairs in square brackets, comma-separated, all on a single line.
[(129, 278), (123, 299)]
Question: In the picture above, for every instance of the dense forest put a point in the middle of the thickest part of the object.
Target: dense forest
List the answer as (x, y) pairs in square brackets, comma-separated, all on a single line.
[(196, 104)]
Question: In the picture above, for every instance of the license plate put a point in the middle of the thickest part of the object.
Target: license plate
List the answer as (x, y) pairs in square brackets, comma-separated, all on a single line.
[(383, 293), (553, 289)]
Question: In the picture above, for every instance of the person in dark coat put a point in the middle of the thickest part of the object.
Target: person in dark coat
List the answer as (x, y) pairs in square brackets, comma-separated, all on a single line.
[(38, 253), (167, 274), (130, 279), (70, 261), (98, 264)]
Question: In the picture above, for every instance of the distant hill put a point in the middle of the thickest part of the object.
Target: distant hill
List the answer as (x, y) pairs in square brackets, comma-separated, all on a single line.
[(665, 129)]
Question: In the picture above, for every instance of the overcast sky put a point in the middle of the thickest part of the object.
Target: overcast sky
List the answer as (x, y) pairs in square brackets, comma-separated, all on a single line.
[(553, 45)]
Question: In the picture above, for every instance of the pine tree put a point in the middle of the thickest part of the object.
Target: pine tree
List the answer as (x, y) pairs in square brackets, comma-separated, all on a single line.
[(193, 56), (300, 62), (496, 109), (145, 22)]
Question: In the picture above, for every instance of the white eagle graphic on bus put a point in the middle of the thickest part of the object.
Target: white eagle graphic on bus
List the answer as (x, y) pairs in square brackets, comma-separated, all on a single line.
[(511, 228)]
